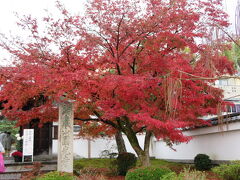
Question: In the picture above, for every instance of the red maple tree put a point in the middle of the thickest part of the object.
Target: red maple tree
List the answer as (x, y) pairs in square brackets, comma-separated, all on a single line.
[(137, 65)]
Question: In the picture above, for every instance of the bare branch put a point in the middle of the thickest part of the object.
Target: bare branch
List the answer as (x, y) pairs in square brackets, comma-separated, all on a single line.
[(228, 35)]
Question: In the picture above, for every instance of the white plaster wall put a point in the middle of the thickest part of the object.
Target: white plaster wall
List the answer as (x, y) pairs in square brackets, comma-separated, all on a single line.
[(80, 146), (219, 145)]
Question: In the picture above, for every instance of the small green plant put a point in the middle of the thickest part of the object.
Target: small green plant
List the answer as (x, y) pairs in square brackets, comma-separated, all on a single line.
[(147, 173), (228, 171), (192, 175), (171, 175), (185, 175), (55, 175), (77, 166), (202, 162), (125, 161)]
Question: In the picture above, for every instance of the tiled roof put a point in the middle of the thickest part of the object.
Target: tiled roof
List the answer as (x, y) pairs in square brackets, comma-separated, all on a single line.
[(225, 118)]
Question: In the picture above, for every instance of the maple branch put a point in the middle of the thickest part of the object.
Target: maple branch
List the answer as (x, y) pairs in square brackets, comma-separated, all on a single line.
[(134, 59), (125, 125), (129, 44), (118, 33), (128, 124), (140, 130), (87, 119), (133, 65), (121, 127), (110, 49), (9, 45), (134, 40), (118, 69), (99, 120), (38, 44), (105, 121)]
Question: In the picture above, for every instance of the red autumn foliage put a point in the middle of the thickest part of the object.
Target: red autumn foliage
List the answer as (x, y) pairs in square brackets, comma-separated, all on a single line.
[(138, 66)]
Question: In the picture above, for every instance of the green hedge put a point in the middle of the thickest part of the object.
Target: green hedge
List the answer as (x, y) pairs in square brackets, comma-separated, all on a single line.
[(147, 173)]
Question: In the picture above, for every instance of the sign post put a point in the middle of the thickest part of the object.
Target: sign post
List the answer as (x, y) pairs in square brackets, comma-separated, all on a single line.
[(28, 138)]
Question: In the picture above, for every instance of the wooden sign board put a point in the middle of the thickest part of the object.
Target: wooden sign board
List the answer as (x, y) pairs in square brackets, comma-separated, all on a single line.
[(28, 139)]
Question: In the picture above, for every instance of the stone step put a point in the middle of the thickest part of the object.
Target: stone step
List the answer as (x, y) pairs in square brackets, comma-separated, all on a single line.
[(26, 168), (6, 176), (12, 163), (15, 170)]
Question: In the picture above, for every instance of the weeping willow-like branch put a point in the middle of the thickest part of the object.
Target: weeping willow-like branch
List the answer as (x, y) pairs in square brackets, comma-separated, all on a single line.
[(173, 91), (220, 117)]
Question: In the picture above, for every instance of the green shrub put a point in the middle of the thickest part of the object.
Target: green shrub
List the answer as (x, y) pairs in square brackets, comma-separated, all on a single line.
[(185, 175), (125, 161), (202, 162), (147, 173), (56, 175), (19, 145), (228, 172)]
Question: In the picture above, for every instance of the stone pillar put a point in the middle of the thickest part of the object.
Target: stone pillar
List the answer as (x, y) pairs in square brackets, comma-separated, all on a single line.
[(65, 137)]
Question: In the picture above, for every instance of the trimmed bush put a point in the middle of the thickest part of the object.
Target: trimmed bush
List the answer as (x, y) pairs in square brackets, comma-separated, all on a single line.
[(147, 173), (56, 175), (125, 161), (228, 171), (202, 162)]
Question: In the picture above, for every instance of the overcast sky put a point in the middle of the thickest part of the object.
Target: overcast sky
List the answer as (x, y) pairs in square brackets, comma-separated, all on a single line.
[(36, 8)]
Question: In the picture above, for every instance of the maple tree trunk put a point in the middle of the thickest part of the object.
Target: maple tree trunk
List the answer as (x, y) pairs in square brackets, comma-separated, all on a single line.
[(147, 141), (120, 142), (143, 154), (144, 159)]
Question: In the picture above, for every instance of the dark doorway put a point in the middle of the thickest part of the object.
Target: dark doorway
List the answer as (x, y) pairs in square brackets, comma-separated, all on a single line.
[(42, 136)]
